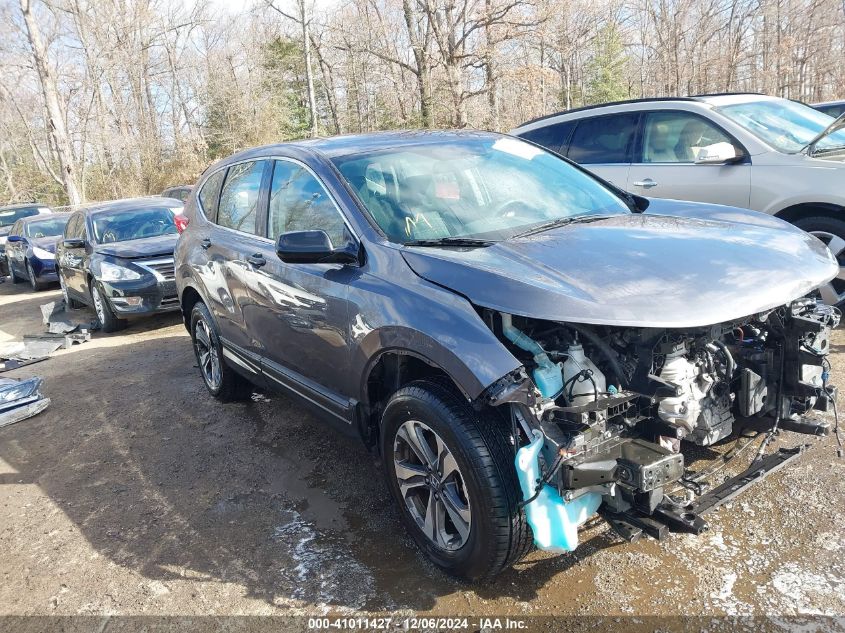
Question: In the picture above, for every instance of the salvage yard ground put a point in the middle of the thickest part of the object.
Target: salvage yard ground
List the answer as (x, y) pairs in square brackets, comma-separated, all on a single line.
[(137, 493)]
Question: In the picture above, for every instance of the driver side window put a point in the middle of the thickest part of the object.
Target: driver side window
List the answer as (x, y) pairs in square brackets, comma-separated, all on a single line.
[(298, 202), (677, 137)]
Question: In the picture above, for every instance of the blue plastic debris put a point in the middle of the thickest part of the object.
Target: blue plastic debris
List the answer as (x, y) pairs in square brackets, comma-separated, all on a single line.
[(554, 521)]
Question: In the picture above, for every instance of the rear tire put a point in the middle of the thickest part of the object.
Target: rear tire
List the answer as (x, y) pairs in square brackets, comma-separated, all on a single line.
[(107, 318), (831, 231), (482, 484), (222, 381)]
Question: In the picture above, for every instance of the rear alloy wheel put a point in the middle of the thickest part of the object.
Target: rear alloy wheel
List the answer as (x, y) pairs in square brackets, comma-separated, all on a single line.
[(224, 383), (33, 280), (831, 231), (108, 321), (451, 471)]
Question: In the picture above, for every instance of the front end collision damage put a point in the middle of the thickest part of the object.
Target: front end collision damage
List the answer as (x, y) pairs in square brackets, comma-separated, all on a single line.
[(617, 450)]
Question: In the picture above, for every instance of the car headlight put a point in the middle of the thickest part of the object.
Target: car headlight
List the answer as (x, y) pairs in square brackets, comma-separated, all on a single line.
[(40, 253), (114, 272)]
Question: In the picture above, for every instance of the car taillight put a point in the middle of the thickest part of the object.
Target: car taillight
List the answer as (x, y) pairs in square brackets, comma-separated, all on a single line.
[(181, 222)]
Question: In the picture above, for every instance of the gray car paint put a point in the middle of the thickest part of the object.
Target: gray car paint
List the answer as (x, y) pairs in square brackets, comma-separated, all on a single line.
[(644, 270), (318, 330)]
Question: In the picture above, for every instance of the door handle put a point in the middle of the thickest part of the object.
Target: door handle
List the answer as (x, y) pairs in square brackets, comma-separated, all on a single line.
[(257, 260), (648, 183), (205, 244)]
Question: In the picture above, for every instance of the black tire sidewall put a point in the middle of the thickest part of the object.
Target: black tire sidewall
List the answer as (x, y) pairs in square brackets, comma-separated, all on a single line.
[(111, 323), (834, 226), (470, 561)]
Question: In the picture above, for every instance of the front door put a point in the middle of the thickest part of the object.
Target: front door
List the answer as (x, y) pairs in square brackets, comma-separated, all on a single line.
[(664, 165), (72, 260), (300, 320)]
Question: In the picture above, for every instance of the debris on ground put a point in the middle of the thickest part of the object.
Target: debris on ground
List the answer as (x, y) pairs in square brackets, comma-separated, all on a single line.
[(62, 332), (20, 399), (58, 321)]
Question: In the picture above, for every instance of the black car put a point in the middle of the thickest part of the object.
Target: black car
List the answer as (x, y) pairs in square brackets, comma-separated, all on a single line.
[(31, 249), (8, 216), (521, 342), (118, 257), (833, 108), (179, 192)]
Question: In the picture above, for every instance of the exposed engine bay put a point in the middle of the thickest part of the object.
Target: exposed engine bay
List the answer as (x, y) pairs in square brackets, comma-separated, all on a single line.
[(614, 406)]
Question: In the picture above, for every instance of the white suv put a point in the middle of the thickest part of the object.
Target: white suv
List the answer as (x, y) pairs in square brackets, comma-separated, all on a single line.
[(765, 153)]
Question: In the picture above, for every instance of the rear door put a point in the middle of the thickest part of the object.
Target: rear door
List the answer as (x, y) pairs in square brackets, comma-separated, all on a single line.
[(604, 145), (664, 164), (231, 241), (300, 319)]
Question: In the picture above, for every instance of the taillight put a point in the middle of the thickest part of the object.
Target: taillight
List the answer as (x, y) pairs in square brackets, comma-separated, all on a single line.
[(181, 222)]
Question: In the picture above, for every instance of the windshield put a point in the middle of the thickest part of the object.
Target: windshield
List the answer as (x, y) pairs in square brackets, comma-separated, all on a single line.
[(45, 228), (9, 216), (472, 188), (133, 225), (787, 126)]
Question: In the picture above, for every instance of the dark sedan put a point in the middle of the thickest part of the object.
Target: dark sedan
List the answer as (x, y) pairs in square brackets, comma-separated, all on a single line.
[(31, 249), (8, 216), (834, 108), (118, 257)]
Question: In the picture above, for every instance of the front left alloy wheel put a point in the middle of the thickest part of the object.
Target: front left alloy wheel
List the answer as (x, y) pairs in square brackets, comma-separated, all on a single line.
[(107, 318), (33, 279), (451, 471)]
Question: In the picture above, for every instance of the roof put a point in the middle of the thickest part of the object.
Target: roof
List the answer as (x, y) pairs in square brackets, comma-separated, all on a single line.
[(43, 217), (829, 103), (128, 204), (714, 99), (24, 205), (346, 144)]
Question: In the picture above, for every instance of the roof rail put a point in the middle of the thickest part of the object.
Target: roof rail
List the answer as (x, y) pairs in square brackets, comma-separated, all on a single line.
[(642, 100), (607, 105)]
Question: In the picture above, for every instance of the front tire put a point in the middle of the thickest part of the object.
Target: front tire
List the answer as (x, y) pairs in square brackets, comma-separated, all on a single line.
[(451, 471), (221, 381), (831, 231), (107, 318), (33, 280)]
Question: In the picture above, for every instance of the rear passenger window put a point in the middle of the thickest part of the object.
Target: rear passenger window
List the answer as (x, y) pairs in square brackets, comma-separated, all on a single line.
[(239, 199), (553, 136), (210, 194), (298, 202), (605, 139)]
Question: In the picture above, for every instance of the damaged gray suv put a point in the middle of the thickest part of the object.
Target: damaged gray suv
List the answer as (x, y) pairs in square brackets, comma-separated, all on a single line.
[(525, 345)]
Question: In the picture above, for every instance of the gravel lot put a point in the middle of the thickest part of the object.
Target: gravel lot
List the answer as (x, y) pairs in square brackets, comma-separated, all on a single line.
[(137, 493)]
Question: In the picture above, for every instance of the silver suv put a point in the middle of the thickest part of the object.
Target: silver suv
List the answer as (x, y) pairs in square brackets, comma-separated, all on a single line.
[(745, 150)]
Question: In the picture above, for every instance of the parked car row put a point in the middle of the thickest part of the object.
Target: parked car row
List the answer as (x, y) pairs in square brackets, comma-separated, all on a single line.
[(115, 256)]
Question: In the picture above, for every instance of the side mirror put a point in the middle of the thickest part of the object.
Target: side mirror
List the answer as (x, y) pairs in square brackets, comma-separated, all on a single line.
[(15, 238), (717, 154), (73, 242), (313, 247)]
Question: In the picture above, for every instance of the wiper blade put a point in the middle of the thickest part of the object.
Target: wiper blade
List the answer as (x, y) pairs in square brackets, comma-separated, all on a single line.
[(451, 241), (560, 222)]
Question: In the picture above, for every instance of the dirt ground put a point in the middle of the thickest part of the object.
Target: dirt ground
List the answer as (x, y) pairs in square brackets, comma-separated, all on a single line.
[(135, 493)]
